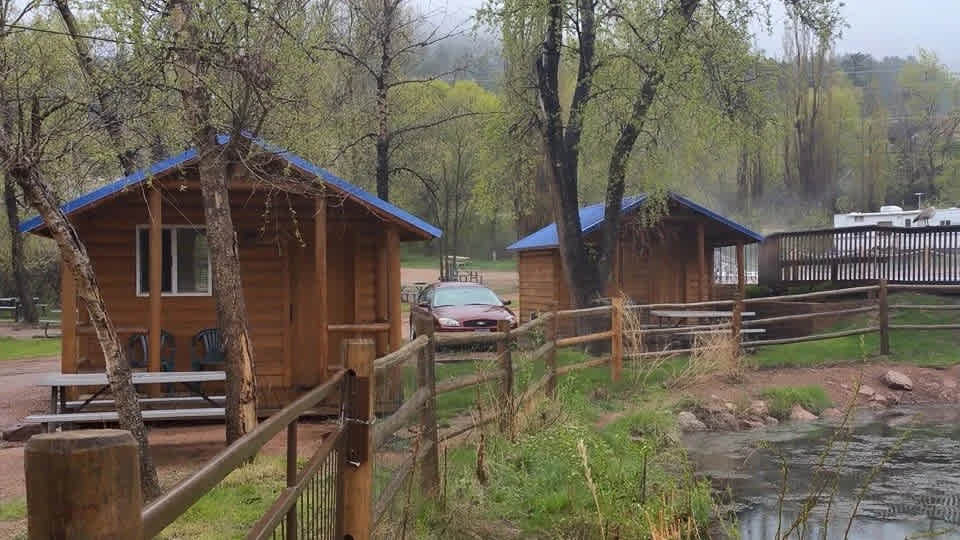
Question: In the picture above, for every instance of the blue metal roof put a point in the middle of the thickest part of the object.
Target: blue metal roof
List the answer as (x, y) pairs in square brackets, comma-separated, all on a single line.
[(592, 216), (121, 184)]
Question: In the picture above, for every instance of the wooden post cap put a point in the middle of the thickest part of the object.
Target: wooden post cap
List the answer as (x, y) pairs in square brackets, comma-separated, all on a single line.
[(83, 484)]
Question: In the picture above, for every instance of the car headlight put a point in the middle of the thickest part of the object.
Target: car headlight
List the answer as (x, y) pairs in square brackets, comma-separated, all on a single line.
[(446, 321)]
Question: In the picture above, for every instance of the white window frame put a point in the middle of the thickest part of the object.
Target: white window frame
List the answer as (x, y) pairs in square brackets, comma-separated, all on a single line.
[(173, 261)]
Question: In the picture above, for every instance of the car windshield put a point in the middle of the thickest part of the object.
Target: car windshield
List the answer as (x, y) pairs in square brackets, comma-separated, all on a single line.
[(462, 296)]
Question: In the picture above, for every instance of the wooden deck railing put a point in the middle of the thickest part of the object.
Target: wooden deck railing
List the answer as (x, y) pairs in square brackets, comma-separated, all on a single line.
[(918, 255)]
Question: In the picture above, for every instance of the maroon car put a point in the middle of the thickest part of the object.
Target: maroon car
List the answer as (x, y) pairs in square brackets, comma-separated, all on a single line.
[(461, 307)]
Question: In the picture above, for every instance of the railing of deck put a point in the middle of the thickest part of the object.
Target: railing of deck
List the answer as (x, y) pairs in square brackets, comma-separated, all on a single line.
[(920, 255)]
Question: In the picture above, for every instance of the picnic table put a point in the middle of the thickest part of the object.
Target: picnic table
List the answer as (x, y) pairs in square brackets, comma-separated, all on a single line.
[(192, 380)]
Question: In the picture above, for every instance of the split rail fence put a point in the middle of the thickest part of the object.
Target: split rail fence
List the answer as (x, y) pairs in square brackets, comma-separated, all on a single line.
[(332, 495)]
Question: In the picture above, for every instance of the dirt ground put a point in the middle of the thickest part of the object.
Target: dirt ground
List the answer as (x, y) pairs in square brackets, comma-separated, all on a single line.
[(502, 283), (929, 385)]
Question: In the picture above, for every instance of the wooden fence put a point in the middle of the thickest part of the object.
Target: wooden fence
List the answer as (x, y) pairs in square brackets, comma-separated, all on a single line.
[(332, 495), (920, 255)]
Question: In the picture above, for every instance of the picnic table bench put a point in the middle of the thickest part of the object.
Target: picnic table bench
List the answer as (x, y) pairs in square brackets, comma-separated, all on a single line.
[(192, 380)]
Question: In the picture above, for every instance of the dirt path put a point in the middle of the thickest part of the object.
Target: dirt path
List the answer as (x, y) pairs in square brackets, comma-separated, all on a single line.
[(503, 283)]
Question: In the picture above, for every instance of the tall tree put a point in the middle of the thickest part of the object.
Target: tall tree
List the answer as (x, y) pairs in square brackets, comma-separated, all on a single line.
[(42, 122)]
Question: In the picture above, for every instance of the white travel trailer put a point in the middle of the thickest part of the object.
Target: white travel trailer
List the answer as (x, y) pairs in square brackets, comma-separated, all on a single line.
[(894, 216)]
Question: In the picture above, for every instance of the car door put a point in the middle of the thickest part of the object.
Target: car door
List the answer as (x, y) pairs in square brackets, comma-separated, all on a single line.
[(422, 307)]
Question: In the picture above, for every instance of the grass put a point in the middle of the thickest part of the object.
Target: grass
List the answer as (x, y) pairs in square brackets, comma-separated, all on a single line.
[(411, 260), (782, 399), (231, 508), (925, 348), (13, 509), (15, 349), (538, 482)]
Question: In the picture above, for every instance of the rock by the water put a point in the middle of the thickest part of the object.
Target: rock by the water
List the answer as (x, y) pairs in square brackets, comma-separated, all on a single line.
[(771, 421), (801, 414), (832, 412), (749, 423), (897, 380), (866, 390), (879, 398), (687, 421), (759, 408)]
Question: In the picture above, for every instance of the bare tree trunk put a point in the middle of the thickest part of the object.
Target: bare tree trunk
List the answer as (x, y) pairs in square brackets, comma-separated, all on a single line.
[(111, 121), (28, 309), (76, 260), (215, 168), (241, 404), (385, 38)]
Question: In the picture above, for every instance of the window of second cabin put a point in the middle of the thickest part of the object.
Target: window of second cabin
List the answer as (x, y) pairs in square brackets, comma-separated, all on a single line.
[(185, 261)]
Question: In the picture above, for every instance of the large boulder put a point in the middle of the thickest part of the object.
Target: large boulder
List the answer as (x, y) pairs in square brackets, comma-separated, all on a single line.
[(866, 390), (687, 421), (897, 380), (832, 412), (801, 414)]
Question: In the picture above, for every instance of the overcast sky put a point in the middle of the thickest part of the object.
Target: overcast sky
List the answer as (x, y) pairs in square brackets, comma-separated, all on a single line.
[(879, 27)]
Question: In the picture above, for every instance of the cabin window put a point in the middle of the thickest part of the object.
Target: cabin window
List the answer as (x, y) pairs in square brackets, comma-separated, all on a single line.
[(885, 223), (857, 218), (907, 223), (944, 222), (185, 261)]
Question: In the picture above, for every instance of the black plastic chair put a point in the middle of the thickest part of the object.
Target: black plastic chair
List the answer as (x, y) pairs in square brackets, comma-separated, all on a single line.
[(207, 349), (138, 350)]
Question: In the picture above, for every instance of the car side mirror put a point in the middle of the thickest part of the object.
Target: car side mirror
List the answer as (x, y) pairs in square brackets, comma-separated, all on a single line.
[(506, 302)]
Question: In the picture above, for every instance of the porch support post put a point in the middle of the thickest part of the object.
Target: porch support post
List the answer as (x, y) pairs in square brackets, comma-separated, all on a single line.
[(156, 277), (68, 320), (741, 271), (393, 286), (704, 292), (320, 283)]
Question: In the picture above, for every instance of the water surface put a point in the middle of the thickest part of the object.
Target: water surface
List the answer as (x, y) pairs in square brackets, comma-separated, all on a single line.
[(914, 491)]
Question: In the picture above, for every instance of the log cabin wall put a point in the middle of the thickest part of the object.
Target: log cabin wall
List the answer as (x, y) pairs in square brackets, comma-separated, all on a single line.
[(653, 267), (277, 269)]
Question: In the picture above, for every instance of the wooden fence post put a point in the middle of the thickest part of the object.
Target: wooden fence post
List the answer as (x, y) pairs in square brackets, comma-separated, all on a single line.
[(506, 387), (358, 356), (884, 318), (427, 378), (83, 484), (616, 340), (550, 361)]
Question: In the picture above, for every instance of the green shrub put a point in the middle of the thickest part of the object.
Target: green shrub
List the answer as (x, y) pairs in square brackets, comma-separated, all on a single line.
[(781, 399)]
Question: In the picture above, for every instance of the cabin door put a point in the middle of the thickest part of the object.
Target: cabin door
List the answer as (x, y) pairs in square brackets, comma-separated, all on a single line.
[(667, 273)]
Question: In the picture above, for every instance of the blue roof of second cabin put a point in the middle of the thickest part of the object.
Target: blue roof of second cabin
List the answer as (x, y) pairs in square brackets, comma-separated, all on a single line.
[(172, 162), (592, 216)]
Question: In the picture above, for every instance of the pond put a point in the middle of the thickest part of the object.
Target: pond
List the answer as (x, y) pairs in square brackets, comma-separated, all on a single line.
[(908, 459)]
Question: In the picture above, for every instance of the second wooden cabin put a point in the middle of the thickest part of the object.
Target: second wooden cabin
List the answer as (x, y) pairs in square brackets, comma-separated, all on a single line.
[(668, 261)]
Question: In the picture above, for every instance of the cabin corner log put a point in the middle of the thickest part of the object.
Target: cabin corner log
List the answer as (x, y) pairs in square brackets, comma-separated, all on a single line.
[(383, 429), (83, 484)]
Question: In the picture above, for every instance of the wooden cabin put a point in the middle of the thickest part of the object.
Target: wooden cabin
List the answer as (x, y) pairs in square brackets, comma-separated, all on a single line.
[(670, 261), (319, 259)]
